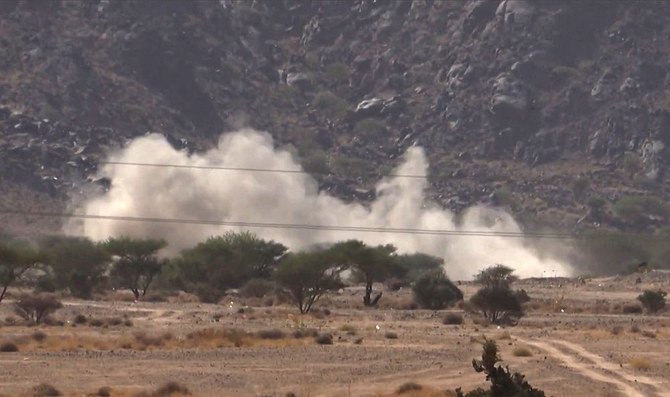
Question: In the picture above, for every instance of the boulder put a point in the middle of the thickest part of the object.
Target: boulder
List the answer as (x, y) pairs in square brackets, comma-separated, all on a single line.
[(509, 99)]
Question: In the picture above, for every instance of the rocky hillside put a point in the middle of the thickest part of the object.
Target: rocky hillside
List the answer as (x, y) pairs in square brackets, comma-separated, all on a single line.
[(559, 110)]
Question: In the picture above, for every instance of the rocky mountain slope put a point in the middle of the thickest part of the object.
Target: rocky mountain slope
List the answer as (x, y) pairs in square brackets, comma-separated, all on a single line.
[(559, 110)]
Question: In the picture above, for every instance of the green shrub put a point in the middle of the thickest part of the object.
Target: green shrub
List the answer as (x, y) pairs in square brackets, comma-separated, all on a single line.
[(274, 334), (337, 73), (435, 291), (370, 128), (653, 301), (636, 209), (257, 288), (333, 106)]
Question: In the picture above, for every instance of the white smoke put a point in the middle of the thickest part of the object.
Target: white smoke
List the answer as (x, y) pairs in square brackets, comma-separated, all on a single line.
[(293, 198)]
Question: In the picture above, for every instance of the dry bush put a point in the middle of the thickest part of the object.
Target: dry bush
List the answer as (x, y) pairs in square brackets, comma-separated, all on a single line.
[(305, 333), (38, 336), (632, 309), (649, 334), (358, 341), (271, 334), (45, 390), (453, 319), (9, 347), (96, 322), (504, 336), (80, 319), (634, 329), (522, 351), (617, 329), (104, 391), (390, 335), (348, 329), (183, 297), (408, 387), (145, 341), (37, 307), (324, 339), (640, 363), (171, 389)]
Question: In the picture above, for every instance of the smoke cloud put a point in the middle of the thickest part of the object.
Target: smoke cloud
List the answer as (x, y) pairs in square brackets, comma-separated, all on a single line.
[(294, 198)]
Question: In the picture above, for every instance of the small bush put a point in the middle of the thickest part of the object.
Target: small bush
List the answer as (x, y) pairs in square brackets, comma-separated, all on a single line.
[(408, 387), (324, 339), (453, 319), (634, 329), (649, 334), (39, 336), (435, 291), (9, 347), (653, 301), (80, 319), (37, 307), (271, 334), (390, 335), (104, 391), (257, 288), (96, 322), (632, 309), (616, 330), (370, 128), (348, 329), (333, 106), (522, 352), (127, 322), (640, 363), (305, 333), (358, 341), (170, 389), (45, 390)]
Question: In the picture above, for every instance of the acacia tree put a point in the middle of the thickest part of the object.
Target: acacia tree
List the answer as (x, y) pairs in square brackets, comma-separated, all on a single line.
[(15, 260), (78, 263), (307, 276), (136, 263), (496, 300), (226, 261), (435, 291), (372, 264)]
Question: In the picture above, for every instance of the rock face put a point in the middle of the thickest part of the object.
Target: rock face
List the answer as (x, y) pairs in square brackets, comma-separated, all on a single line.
[(491, 88)]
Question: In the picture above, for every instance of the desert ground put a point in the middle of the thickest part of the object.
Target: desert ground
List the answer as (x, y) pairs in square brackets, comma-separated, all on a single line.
[(580, 342)]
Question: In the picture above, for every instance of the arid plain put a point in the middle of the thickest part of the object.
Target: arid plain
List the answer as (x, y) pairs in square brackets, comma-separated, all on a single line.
[(574, 341)]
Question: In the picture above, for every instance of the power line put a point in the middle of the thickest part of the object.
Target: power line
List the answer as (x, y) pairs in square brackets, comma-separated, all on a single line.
[(270, 225), (244, 169)]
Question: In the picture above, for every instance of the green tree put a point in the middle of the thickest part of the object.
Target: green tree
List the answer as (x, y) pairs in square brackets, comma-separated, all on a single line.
[(496, 276), (435, 291), (15, 260), (307, 276), (496, 300), (78, 264), (418, 264), (135, 263), (371, 264), (503, 382), (653, 301), (226, 261)]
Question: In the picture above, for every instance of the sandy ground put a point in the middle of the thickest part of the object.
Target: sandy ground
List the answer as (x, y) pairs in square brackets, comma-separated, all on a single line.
[(581, 342)]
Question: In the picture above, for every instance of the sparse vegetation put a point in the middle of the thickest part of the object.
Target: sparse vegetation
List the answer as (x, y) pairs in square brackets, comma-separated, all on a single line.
[(640, 363), (37, 307), (390, 335), (8, 347), (45, 390), (453, 319), (435, 291), (370, 128), (522, 351), (632, 309), (333, 106), (653, 301), (503, 382), (324, 339), (408, 387)]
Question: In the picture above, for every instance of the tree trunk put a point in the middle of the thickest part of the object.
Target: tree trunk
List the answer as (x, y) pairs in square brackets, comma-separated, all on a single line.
[(367, 301)]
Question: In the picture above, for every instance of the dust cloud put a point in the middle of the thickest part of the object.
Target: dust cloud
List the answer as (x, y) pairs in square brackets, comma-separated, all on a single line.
[(293, 198)]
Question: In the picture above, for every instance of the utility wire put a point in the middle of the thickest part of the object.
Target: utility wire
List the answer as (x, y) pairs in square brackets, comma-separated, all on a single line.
[(270, 225), (245, 169)]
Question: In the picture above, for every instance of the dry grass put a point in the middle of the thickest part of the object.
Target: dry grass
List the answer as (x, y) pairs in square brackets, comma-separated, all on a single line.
[(348, 329), (522, 351), (640, 363), (208, 338)]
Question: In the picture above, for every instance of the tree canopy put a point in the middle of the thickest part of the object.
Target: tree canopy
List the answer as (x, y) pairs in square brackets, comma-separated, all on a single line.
[(136, 263), (307, 276), (15, 259)]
